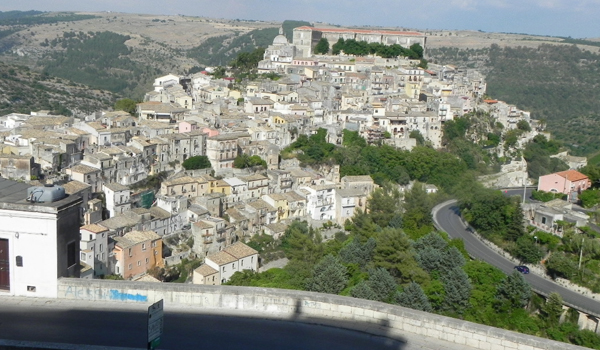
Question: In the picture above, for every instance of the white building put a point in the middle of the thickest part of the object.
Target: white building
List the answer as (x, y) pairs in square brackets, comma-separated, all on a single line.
[(320, 201), (118, 198), (222, 265), (95, 251), (39, 240)]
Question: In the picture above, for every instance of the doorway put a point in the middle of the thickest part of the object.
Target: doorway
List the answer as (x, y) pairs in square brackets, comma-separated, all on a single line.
[(4, 265)]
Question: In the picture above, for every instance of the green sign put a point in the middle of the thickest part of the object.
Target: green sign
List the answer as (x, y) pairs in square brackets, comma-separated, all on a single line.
[(154, 344)]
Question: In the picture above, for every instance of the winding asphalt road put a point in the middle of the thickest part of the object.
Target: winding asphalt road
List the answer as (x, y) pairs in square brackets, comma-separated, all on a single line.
[(448, 219)]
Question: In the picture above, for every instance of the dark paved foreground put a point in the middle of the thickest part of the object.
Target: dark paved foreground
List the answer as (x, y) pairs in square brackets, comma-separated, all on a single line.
[(97, 323)]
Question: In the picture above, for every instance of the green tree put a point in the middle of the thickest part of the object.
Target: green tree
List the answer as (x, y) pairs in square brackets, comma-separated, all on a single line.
[(196, 162), (394, 253), (337, 48), (513, 292), (363, 291), (514, 227), (383, 205), (329, 276), (528, 251), (414, 297), (543, 196), (592, 171), (357, 253), (380, 286), (589, 198), (243, 161), (127, 105), (485, 278), (417, 49), (559, 265), (322, 47), (416, 134), (458, 290), (417, 218), (301, 242), (552, 309), (523, 125)]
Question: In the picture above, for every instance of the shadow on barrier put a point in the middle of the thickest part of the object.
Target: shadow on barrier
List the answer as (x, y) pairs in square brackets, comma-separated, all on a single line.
[(190, 329)]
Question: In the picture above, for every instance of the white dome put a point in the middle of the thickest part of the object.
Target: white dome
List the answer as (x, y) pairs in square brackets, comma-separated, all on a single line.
[(280, 40)]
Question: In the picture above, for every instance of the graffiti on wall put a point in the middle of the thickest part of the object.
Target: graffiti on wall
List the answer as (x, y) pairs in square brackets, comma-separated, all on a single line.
[(86, 293)]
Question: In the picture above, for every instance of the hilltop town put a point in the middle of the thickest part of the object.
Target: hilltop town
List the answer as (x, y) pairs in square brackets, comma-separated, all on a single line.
[(197, 169)]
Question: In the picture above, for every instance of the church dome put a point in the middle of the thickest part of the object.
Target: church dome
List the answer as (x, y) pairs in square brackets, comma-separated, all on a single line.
[(280, 39)]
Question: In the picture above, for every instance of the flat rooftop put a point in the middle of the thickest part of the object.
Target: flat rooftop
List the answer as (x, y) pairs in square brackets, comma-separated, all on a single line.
[(13, 196)]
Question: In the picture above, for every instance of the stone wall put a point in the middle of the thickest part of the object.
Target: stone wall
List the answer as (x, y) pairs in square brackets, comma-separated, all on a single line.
[(308, 307)]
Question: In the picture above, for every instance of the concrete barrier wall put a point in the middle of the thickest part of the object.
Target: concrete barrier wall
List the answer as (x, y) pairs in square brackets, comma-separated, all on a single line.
[(308, 307)]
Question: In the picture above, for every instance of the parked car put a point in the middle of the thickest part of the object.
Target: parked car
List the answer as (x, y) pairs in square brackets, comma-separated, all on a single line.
[(522, 269)]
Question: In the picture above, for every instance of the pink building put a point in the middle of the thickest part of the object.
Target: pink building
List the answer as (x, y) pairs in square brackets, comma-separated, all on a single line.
[(564, 182), (210, 132), (187, 126)]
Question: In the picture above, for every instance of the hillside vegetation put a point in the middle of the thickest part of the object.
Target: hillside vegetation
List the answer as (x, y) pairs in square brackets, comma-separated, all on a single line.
[(99, 60), (557, 83), (23, 90)]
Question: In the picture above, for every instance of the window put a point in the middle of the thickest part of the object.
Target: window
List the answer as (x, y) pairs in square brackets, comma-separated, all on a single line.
[(154, 243), (147, 260), (242, 262), (71, 254), (143, 246), (544, 220), (139, 263), (130, 252), (223, 268), (155, 252), (83, 256), (130, 266), (101, 248)]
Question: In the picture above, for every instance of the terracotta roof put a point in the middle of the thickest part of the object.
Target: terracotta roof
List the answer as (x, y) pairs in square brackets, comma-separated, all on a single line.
[(360, 31), (240, 250), (203, 225), (572, 175), (94, 228), (115, 186), (75, 186), (357, 178), (205, 270), (84, 169), (221, 258), (133, 238)]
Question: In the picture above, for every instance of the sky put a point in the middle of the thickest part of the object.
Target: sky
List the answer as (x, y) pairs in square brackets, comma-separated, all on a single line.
[(574, 18)]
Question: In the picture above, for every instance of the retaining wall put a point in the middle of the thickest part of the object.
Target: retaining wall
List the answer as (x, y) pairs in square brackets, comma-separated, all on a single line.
[(323, 309)]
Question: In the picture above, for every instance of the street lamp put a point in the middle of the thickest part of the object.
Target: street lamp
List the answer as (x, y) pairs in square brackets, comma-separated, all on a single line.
[(536, 239)]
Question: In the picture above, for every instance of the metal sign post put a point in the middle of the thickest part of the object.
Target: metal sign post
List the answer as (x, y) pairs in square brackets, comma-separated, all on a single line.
[(155, 324)]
